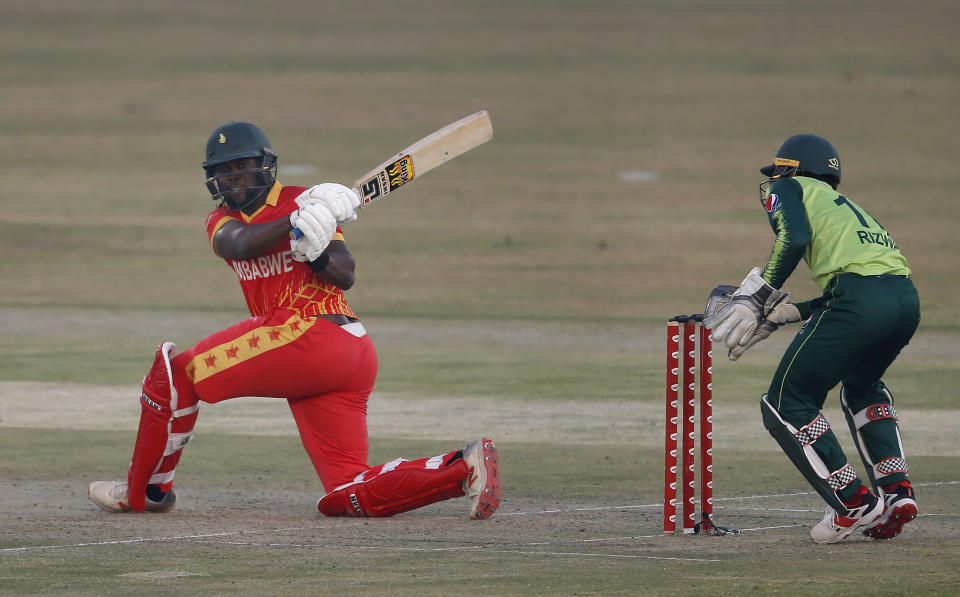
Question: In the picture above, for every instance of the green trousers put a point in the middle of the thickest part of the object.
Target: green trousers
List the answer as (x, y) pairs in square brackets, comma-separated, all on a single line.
[(861, 327)]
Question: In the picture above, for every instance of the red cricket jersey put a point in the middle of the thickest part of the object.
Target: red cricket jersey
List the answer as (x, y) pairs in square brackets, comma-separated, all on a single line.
[(275, 280)]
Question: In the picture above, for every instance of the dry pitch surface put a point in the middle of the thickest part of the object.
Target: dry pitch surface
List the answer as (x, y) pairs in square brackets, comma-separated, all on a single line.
[(250, 529)]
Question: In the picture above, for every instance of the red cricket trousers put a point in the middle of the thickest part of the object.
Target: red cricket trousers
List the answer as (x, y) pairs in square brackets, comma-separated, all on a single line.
[(326, 373)]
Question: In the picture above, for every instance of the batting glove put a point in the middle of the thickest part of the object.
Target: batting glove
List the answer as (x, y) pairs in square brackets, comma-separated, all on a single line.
[(340, 200), (317, 226)]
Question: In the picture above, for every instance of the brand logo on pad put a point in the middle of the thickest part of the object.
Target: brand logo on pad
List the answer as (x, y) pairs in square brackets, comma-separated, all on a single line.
[(356, 504), (772, 203), (150, 403), (880, 411)]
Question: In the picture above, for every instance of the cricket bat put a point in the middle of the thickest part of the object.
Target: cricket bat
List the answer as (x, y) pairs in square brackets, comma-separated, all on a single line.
[(436, 149)]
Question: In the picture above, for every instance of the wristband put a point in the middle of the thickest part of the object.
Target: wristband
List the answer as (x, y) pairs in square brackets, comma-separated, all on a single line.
[(320, 263)]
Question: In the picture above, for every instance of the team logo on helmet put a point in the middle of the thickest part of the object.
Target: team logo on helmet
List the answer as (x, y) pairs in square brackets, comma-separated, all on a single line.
[(834, 163), (771, 203), (222, 139)]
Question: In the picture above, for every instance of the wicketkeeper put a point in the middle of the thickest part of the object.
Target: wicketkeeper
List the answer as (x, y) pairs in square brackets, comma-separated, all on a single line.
[(851, 334), (302, 343)]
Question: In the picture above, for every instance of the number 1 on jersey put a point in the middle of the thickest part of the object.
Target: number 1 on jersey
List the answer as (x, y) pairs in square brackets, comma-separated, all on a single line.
[(841, 200)]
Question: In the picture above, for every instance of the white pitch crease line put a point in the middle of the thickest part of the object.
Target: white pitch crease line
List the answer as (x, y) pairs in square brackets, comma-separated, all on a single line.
[(501, 514), (595, 508), (776, 495), (482, 548), (119, 542), (771, 509), (783, 526), (335, 546), (762, 497), (591, 509), (600, 540), (604, 555), (715, 499)]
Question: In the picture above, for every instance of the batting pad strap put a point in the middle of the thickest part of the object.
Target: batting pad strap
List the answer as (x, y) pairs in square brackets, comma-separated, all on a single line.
[(874, 412), (164, 351), (398, 486), (176, 442), (386, 468), (842, 477), (186, 411), (812, 431), (889, 466), (161, 478)]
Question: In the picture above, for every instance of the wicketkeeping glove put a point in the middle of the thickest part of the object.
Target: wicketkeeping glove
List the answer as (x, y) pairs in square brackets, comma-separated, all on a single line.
[(340, 200), (317, 225), (785, 312), (718, 299), (750, 304)]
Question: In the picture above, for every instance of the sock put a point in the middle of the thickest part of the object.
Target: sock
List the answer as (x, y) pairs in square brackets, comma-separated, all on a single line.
[(854, 500), (892, 487)]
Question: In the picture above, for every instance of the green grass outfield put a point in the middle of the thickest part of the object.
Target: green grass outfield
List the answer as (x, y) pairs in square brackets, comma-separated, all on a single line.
[(518, 292)]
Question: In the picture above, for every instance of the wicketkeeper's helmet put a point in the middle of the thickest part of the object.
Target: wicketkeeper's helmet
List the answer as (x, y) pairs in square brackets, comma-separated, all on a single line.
[(806, 155), (234, 141)]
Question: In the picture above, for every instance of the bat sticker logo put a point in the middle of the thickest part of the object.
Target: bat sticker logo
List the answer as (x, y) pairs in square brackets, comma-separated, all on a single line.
[(771, 203), (371, 190), (400, 172), (222, 138)]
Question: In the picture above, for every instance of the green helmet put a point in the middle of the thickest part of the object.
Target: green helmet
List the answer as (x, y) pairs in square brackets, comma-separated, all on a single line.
[(234, 141), (806, 155)]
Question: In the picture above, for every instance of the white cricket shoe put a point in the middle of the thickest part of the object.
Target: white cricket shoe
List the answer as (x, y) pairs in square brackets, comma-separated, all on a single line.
[(113, 496), (483, 480), (834, 528)]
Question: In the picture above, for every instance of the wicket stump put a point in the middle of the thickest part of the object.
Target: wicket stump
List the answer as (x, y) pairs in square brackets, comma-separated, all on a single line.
[(680, 420)]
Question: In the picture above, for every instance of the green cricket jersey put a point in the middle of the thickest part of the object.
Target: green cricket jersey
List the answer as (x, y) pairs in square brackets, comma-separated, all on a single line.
[(831, 233)]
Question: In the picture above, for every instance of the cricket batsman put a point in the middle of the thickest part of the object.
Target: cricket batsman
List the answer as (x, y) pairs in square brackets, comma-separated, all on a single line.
[(851, 334), (302, 343)]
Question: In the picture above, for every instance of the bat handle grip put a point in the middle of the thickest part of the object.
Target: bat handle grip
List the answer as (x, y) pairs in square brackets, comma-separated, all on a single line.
[(295, 233)]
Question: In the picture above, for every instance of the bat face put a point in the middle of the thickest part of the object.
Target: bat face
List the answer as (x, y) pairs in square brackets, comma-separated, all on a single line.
[(388, 178), (435, 149)]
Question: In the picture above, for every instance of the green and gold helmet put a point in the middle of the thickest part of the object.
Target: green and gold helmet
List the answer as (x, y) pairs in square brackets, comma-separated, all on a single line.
[(806, 155), (234, 141)]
